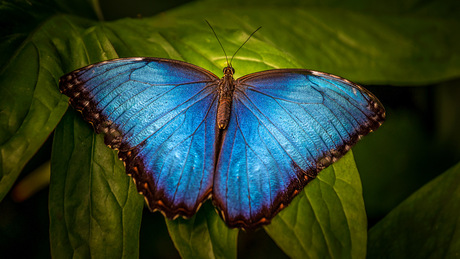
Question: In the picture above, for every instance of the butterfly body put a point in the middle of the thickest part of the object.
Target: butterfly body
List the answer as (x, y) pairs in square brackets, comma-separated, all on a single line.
[(250, 144), (226, 88)]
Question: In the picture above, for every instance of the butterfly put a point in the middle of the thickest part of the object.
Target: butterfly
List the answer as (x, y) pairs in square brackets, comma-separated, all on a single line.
[(251, 144)]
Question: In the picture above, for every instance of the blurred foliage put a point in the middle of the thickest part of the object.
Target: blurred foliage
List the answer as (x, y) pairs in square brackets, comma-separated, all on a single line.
[(429, 220), (407, 52)]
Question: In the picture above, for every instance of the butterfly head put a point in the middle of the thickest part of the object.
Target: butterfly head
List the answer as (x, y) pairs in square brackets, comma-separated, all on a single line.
[(229, 70)]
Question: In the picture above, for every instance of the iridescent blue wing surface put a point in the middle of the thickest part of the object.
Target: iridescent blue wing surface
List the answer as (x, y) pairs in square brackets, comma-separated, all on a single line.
[(160, 115), (286, 125)]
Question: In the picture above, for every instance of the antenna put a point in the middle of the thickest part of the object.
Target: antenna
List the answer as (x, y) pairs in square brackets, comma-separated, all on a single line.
[(243, 44), (230, 64)]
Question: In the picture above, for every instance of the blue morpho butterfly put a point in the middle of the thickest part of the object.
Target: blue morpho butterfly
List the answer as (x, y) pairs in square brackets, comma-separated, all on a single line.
[(251, 144)]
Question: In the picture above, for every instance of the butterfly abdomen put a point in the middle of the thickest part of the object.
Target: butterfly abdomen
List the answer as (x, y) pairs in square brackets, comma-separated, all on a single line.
[(226, 88), (223, 112)]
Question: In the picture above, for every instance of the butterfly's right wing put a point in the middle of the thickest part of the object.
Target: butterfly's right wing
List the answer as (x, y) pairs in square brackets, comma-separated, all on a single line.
[(160, 115), (286, 125)]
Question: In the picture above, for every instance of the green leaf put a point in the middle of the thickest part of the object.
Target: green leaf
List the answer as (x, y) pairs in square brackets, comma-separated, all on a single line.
[(327, 219), (30, 102), (30, 105), (426, 225), (95, 210), (345, 39), (204, 235)]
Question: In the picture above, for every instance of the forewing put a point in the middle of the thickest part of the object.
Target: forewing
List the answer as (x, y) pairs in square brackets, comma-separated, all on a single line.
[(285, 127), (160, 115)]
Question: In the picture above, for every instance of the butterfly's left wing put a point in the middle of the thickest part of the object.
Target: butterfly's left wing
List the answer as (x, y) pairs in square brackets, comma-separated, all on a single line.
[(286, 126), (160, 115)]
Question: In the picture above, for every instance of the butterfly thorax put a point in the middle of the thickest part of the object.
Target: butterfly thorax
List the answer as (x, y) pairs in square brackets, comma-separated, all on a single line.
[(226, 88)]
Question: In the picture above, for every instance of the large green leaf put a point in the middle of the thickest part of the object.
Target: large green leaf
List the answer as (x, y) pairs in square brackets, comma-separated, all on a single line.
[(204, 235), (327, 219), (410, 45), (95, 210), (426, 225), (30, 105)]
